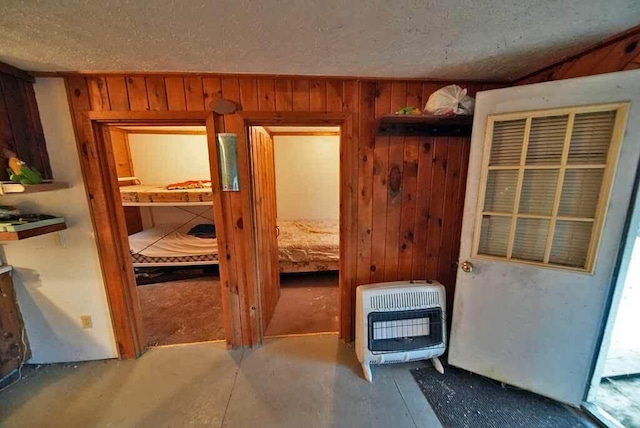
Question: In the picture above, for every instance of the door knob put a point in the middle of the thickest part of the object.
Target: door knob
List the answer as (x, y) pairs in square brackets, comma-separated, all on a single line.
[(467, 266)]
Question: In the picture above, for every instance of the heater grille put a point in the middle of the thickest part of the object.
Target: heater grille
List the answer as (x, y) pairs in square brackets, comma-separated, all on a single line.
[(405, 330), (405, 300)]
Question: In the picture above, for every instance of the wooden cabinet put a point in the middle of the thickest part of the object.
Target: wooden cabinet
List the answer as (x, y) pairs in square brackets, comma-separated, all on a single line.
[(13, 345)]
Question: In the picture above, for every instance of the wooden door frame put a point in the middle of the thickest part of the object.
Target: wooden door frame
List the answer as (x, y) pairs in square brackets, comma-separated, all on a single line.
[(101, 185), (344, 121)]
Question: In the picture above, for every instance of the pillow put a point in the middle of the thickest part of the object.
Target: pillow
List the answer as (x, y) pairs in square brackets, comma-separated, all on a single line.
[(207, 231)]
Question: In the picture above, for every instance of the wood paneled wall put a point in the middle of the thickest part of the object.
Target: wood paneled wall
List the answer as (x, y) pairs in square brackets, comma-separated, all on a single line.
[(20, 128), (124, 168), (121, 152), (401, 197), (619, 53), (264, 185)]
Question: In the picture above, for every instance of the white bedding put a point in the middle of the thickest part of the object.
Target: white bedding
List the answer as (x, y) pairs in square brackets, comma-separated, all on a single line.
[(309, 241), (176, 244)]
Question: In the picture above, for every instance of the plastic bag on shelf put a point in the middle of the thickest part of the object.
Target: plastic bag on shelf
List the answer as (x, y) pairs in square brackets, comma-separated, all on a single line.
[(449, 101)]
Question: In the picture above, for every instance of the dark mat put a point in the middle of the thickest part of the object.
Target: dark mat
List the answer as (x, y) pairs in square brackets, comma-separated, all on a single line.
[(461, 399)]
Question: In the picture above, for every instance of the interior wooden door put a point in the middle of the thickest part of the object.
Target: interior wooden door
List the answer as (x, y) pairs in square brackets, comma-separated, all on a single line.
[(264, 197)]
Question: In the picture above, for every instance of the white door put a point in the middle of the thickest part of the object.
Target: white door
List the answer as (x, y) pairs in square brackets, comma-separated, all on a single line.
[(529, 313)]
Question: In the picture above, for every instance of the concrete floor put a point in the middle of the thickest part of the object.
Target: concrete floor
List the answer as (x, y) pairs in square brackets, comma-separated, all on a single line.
[(310, 381), (620, 397)]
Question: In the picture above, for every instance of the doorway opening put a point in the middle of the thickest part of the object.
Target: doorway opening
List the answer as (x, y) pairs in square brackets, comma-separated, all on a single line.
[(164, 183), (296, 180), (616, 394)]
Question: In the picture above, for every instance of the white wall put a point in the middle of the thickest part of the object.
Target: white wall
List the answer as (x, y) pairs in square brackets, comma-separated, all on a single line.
[(56, 284), (307, 177), (164, 159)]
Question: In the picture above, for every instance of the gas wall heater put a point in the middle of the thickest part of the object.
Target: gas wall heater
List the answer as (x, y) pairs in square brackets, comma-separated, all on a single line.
[(399, 322)]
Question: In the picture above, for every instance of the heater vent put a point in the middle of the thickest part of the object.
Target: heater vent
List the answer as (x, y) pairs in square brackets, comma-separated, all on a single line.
[(405, 300)]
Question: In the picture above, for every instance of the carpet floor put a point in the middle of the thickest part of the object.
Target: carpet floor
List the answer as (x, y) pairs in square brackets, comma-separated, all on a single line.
[(464, 400), (308, 304), (184, 311)]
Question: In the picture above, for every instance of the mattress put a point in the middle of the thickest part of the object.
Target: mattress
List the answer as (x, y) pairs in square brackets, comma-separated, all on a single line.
[(150, 194), (166, 244), (309, 241)]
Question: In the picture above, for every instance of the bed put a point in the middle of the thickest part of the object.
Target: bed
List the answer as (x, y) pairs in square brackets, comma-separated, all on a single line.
[(308, 245), (170, 245), (135, 194), (303, 246), (144, 195)]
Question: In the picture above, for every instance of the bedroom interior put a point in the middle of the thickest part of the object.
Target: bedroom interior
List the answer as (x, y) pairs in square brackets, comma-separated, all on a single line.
[(164, 181), (307, 197), (216, 225)]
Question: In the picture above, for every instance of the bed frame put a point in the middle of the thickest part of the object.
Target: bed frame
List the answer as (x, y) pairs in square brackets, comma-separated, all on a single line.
[(135, 194)]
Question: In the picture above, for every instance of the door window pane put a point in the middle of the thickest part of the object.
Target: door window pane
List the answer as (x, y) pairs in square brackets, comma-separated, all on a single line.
[(548, 207)]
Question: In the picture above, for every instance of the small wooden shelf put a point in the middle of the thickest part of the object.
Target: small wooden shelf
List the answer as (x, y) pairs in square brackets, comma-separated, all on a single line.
[(46, 186), (418, 125), (30, 233)]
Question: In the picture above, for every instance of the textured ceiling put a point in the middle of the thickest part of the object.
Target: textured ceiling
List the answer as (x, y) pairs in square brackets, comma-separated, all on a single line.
[(459, 39)]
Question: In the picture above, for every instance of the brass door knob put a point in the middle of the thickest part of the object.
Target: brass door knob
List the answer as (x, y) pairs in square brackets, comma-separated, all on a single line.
[(467, 266)]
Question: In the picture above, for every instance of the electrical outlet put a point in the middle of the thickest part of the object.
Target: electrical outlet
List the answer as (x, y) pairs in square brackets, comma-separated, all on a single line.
[(86, 322)]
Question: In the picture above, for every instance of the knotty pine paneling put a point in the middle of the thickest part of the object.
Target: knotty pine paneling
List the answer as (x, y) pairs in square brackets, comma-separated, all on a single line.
[(617, 54), (20, 127), (402, 197), (264, 185)]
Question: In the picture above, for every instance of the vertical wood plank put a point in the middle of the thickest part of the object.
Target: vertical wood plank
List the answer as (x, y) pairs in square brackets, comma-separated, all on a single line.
[(243, 221), (26, 145), (300, 95), (622, 54), (349, 203), (194, 93), (6, 136), (98, 94), (37, 133), (266, 95), (249, 94), (317, 95), (137, 90), (226, 247), (409, 190), (157, 93), (436, 205), (380, 187), (365, 173), (457, 228), (284, 95), (407, 216), (423, 200), (334, 95), (446, 255), (212, 88), (633, 64), (394, 194), (118, 96), (428, 89), (175, 93)]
